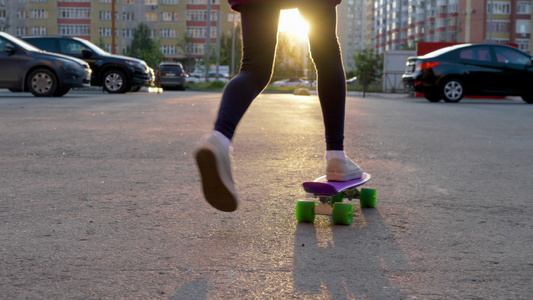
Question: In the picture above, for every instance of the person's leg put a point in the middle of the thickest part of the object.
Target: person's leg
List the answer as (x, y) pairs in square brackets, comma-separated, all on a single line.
[(331, 86), (331, 79), (259, 30), (259, 38)]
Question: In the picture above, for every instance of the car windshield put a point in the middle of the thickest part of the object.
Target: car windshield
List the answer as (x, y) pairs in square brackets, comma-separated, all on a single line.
[(171, 68), (444, 50), (93, 47), (23, 44)]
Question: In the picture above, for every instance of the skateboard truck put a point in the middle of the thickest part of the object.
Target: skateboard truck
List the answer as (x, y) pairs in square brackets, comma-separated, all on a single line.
[(331, 199)]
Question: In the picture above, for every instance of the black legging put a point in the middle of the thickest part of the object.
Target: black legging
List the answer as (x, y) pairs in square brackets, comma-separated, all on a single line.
[(259, 34)]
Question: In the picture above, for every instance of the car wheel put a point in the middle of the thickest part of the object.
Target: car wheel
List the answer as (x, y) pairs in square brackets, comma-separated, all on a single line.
[(432, 95), (452, 90), (115, 82), (42, 83), (61, 91), (528, 98)]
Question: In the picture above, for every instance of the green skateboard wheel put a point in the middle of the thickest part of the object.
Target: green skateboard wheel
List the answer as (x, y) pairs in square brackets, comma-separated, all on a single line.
[(368, 198), (337, 198), (342, 213), (305, 211)]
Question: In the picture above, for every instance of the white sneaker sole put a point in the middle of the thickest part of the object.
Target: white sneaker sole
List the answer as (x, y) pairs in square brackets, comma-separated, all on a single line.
[(215, 190)]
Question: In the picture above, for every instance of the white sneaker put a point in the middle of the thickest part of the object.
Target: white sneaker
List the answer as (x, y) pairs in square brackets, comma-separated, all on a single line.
[(214, 164), (340, 169)]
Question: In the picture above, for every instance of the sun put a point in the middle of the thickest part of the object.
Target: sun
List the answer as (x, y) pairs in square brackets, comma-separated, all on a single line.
[(292, 22)]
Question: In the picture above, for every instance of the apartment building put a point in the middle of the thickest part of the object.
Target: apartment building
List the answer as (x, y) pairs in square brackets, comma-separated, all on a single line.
[(399, 24), (509, 22), (181, 25), (352, 29), (170, 21)]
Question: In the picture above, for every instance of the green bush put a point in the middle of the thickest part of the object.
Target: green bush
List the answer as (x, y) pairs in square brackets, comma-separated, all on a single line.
[(215, 85)]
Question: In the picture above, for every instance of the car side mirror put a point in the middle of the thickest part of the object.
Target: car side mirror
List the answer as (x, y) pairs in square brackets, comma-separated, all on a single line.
[(9, 49), (86, 53)]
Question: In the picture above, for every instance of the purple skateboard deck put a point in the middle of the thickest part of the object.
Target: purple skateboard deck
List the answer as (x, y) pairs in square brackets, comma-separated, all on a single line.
[(321, 186)]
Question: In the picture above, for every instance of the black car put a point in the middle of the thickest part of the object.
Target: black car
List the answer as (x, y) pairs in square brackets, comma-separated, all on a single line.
[(26, 68), (471, 69), (171, 75), (116, 73)]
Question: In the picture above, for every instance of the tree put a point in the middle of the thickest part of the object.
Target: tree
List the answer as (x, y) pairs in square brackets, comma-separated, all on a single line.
[(368, 66), (101, 43), (186, 45), (144, 47), (289, 57), (226, 49)]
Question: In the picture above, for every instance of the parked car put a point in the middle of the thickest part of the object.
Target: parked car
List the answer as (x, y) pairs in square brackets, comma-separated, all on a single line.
[(471, 69), (196, 77), (171, 75), (224, 77), (26, 68), (292, 82), (351, 81), (190, 79), (116, 73)]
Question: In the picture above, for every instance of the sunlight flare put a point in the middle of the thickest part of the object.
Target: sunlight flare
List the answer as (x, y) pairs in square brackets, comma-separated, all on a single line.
[(292, 22)]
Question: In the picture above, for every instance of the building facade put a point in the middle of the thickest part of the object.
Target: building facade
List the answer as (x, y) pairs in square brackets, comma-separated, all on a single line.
[(352, 29), (181, 26), (399, 24)]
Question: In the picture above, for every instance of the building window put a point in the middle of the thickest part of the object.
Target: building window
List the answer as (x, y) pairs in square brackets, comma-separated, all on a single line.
[(168, 49), (105, 15), (104, 31), (523, 7), (523, 44), (197, 49), (196, 32), (39, 14), (74, 13), (39, 30), (167, 33), (169, 16), (202, 1), (70, 30), (500, 7), (523, 27), (503, 26), (150, 17), (196, 15), (127, 33), (128, 16), (201, 15), (22, 31)]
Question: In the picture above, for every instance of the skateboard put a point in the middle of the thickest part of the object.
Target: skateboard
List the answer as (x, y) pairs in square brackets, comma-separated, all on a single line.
[(331, 199)]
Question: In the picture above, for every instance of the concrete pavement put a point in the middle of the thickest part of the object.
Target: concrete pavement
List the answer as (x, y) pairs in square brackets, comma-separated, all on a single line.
[(100, 199)]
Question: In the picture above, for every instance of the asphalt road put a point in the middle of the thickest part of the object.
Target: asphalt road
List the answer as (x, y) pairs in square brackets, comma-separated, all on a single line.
[(100, 199)]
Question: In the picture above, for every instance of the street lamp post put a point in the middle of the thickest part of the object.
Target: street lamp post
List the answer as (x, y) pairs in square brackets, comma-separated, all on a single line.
[(207, 49)]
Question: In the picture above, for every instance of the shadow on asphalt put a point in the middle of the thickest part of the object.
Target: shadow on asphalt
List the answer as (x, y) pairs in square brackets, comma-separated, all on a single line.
[(348, 262)]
